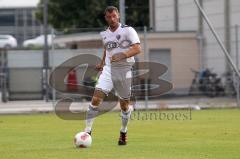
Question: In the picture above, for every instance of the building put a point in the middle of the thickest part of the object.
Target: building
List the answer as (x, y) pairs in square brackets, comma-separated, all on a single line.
[(183, 15), (169, 48), (17, 18)]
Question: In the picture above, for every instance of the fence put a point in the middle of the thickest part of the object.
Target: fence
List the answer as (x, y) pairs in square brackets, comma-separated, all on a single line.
[(3, 74)]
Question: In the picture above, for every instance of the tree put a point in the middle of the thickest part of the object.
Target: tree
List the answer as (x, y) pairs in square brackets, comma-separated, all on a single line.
[(137, 13), (64, 14)]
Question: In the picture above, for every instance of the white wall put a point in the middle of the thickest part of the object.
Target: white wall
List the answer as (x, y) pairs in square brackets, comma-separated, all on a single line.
[(18, 3), (188, 15), (188, 21), (213, 55), (235, 20), (164, 18), (235, 12), (164, 15)]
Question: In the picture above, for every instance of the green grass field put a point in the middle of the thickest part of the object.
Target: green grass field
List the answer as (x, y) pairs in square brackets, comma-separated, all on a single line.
[(213, 134)]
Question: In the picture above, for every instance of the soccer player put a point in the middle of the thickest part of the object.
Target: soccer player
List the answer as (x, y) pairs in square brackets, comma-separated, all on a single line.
[(121, 44)]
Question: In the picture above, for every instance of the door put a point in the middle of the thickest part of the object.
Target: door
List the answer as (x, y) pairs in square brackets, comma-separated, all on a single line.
[(162, 56)]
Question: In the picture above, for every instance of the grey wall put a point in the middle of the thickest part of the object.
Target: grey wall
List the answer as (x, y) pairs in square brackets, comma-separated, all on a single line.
[(25, 73)]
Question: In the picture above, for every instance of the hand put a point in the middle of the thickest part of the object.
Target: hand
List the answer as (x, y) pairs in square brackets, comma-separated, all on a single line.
[(99, 67), (118, 57)]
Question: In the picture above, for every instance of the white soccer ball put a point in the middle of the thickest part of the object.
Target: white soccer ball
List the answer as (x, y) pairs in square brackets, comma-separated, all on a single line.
[(82, 140)]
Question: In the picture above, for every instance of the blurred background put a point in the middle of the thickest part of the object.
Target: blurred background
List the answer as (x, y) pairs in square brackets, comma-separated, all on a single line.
[(36, 36)]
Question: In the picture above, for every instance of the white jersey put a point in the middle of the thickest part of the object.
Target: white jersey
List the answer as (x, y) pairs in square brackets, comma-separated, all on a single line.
[(119, 41)]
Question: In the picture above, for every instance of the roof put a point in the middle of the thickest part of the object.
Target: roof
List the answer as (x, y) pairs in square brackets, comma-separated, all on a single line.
[(18, 3)]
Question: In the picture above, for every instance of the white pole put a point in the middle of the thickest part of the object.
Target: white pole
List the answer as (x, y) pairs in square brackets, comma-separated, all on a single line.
[(122, 11), (45, 51), (237, 63), (217, 38), (146, 77), (237, 48), (53, 67)]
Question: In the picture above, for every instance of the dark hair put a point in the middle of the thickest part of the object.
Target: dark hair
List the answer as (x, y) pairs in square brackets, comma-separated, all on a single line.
[(110, 9)]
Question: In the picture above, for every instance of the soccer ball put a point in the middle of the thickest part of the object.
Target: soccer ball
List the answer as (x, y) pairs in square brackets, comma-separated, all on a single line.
[(82, 140)]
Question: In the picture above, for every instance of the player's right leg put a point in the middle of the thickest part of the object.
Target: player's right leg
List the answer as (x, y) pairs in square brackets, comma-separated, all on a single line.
[(92, 111), (103, 86)]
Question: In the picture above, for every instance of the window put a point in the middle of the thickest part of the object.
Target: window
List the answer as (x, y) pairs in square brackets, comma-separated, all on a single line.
[(7, 20)]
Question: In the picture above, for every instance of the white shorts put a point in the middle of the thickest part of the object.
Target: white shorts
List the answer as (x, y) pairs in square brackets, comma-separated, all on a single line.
[(118, 78), (105, 80)]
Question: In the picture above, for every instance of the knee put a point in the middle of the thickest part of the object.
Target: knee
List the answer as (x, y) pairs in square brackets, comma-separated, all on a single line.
[(124, 105), (96, 101), (124, 108)]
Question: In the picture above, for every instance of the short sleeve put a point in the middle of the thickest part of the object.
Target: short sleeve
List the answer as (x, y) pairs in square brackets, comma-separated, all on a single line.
[(133, 36), (102, 35)]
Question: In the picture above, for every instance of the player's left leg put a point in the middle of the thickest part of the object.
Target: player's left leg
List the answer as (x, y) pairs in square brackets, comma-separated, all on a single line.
[(122, 80), (125, 114)]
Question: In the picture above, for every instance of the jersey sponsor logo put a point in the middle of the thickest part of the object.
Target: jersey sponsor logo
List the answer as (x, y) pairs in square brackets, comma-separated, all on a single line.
[(123, 44), (112, 45)]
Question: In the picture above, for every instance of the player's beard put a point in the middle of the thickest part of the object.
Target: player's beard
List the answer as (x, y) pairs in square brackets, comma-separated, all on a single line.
[(114, 25)]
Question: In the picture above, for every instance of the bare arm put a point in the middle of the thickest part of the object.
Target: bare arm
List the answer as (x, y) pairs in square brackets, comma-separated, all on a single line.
[(99, 67), (103, 58), (134, 50)]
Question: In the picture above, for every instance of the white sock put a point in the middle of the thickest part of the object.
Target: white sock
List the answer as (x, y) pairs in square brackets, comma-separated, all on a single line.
[(91, 114), (125, 119)]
